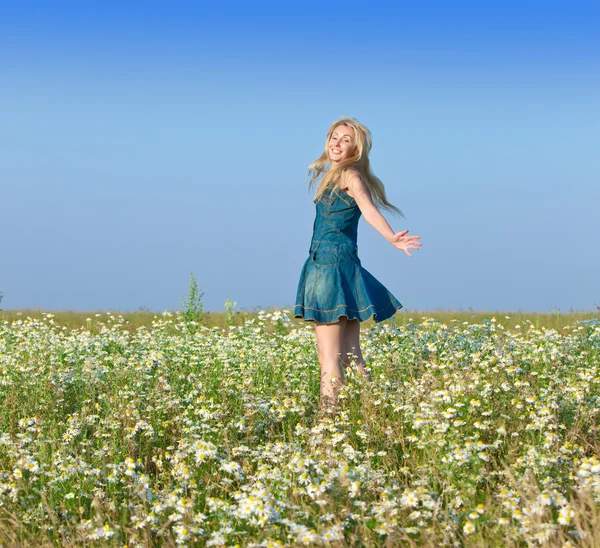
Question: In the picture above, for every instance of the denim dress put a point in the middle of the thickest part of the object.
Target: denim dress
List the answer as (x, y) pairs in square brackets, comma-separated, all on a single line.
[(332, 281)]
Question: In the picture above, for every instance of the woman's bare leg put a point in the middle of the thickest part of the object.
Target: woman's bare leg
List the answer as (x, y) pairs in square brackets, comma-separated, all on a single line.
[(330, 337), (351, 344)]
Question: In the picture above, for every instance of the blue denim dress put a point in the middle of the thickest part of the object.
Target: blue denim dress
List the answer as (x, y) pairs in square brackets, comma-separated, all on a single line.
[(332, 282)]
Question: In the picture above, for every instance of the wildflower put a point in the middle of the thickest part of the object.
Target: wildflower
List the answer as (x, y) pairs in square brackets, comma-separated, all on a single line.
[(545, 499), (181, 534), (565, 515), (101, 533), (230, 467), (217, 538), (468, 528), (332, 534), (409, 498)]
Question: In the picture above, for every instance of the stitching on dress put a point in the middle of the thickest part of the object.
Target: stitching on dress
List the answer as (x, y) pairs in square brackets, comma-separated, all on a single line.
[(347, 195), (343, 305), (323, 265)]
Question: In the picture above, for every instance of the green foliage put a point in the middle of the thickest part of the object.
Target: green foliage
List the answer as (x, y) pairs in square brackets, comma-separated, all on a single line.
[(145, 318), (229, 306), (193, 306), (464, 428)]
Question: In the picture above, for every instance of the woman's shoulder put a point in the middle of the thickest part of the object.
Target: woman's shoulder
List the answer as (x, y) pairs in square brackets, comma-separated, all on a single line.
[(345, 181), (351, 171)]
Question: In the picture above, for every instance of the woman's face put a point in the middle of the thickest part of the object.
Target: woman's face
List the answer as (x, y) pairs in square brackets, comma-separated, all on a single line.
[(340, 144)]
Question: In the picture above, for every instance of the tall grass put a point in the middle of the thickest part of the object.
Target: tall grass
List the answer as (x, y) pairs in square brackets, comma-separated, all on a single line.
[(472, 433), (230, 317)]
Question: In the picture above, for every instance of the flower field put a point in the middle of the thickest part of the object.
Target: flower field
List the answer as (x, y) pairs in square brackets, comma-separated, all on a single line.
[(181, 434)]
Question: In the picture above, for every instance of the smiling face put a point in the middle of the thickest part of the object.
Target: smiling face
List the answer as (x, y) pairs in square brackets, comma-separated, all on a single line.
[(341, 144)]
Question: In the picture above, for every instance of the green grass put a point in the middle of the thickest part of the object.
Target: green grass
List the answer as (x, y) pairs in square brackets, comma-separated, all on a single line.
[(148, 430), (133, 320)]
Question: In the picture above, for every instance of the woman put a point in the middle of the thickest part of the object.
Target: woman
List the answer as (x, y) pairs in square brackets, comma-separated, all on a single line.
[(334, 290)]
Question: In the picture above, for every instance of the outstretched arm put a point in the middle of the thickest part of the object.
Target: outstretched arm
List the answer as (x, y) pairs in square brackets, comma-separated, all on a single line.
[(357, 189)]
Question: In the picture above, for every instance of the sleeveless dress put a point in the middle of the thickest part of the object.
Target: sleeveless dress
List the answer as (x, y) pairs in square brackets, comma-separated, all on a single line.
[(332, 281)]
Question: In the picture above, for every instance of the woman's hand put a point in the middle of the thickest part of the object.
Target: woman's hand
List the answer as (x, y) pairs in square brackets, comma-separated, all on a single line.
[(403, 242)]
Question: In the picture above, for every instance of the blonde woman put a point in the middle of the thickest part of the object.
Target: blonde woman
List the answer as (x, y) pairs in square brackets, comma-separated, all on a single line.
[(334, 290)]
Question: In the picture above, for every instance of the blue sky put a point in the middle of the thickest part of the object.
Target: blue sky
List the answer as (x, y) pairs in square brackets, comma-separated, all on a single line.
[(142, 141)]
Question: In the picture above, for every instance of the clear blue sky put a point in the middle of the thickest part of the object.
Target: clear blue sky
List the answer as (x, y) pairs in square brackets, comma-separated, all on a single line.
[(142, 141)]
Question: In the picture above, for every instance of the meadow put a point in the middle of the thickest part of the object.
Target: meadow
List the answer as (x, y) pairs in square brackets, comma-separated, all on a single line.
[(158, 430)]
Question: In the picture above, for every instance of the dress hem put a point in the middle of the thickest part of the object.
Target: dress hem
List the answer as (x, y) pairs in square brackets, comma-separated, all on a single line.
[(333, 316)]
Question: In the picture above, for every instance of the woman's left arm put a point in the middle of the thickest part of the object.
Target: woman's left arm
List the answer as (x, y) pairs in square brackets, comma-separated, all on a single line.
[(367, 207), (372, 215)]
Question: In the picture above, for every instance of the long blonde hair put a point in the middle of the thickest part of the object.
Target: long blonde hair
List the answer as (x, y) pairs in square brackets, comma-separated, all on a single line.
[(358, 160)]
